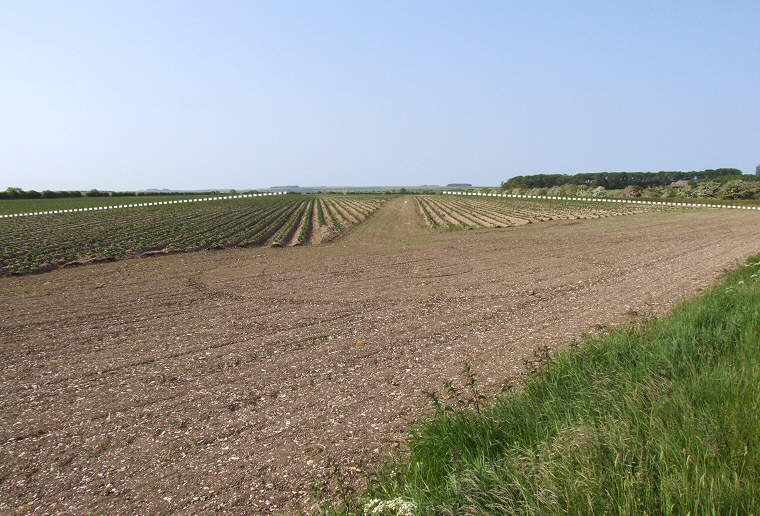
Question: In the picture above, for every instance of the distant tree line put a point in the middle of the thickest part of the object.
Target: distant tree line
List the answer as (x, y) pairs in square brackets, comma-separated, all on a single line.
[(616, 180), (18, 193)]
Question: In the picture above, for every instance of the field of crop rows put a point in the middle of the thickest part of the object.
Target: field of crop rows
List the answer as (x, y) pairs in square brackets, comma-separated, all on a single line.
[(46, 242), (445, 212)]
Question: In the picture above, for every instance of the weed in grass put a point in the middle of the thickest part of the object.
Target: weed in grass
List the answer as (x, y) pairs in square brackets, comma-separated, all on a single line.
[(458, 399), (335, 494), (541, 363)]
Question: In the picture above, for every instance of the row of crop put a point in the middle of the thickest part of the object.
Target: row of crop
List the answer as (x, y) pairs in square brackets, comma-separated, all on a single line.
[(305, 230), (286, 231), (453, 212), (266, 231), (366, 207), (507, 215), (453, 215), (93, 231), (216, 236), (51, 227), (233, 233), (321, 222), (251, 230), (32, 244), (351, 211), (42, 242), (326, 213), (339, 214), (463, 213), (21, 207), (577, 209), (342, 212), (424, 205), (18, 206), (493, 216)]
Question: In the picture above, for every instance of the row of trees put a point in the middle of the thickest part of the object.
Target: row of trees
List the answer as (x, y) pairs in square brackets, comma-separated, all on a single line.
[(18, 193), (616, 180), (733, 189)]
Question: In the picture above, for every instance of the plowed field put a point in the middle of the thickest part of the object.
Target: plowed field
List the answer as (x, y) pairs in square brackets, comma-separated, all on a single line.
[(232, 381)]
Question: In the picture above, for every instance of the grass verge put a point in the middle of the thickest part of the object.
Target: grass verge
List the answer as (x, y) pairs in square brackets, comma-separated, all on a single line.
[(660, 418)]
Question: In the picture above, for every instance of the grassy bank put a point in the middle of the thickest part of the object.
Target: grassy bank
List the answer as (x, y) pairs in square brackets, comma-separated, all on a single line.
[(662, 418)]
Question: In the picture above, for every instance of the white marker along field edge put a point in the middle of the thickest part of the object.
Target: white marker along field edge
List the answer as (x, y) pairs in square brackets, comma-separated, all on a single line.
[(140, 205)]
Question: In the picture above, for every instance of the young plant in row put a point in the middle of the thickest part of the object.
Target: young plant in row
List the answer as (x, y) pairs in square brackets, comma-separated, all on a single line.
[(290, 226), (303, 235)]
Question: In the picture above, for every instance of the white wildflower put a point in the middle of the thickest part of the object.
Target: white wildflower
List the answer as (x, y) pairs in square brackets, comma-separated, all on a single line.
[(395, 507)]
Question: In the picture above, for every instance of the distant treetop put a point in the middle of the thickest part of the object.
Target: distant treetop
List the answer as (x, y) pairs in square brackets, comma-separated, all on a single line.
[(615, 180), (18, 193)]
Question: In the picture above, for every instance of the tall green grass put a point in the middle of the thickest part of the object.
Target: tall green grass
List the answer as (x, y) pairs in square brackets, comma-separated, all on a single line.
[(661, 418)]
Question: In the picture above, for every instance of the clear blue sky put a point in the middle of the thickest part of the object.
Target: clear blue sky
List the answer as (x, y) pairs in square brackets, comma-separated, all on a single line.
[(131, 95)]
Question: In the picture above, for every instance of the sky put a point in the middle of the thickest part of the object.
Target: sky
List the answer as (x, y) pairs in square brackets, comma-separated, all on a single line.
[(192, 95)]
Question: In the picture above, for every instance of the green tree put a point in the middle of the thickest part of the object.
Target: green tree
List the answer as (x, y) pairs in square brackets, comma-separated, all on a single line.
[(13, 193), (736, 189)]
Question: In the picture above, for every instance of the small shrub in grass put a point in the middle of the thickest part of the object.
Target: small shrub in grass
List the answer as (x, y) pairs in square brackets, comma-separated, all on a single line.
[(663, 418)]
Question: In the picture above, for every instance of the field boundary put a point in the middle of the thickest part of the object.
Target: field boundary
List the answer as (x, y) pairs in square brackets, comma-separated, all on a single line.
[(139, 205), (603, 199)]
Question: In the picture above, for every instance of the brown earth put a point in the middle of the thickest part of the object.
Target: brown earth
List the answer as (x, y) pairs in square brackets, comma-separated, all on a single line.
[(227, 381)]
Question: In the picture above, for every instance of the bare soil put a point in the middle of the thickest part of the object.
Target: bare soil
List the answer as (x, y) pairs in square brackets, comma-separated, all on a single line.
[(228, 381)]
